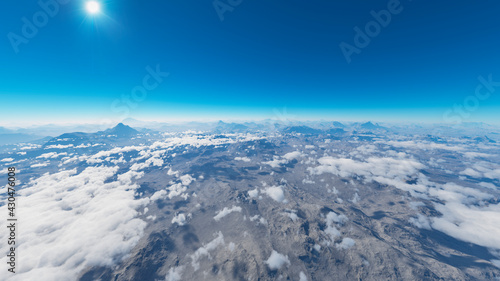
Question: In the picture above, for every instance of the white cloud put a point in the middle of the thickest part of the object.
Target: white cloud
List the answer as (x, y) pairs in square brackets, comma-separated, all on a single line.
[(384, 170), (75, 221), (277, 260), (226, 211), (186, 180), (366, 149), (253, 193), (421, 221), (59, 146), (7, 160), (205, 250), (424, 145), (278, 161), (302, 276), (488, 185), (331, 230), (477, 155), (260, 219), (39, 165), (174, 274), (244, 159), (483, 169), (276, 193), (292, 216), (346, 243), (471, 173), (292, 155), (180, 219), (29, 147), (176, 190), (153, 161), (332, 217), (51, 155), (478, 225)]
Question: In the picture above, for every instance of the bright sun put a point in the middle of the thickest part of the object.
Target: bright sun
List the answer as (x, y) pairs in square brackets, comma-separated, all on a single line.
[(93, 7)]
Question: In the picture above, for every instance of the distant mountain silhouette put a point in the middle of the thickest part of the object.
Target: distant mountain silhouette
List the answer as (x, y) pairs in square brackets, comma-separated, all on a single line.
[(302, 130), (371, 126), (337, 124), (223, 127), (484, 139), (121, 130), (11, 138)]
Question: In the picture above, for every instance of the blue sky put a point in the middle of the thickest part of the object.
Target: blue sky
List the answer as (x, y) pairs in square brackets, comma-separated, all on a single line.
[(262, 57)]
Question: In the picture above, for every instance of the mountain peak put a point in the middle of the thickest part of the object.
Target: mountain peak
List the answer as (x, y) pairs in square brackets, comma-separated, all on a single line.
[(121, 130)]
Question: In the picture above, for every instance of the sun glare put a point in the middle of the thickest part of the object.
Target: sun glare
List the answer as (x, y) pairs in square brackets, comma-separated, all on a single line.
[(93, 7)]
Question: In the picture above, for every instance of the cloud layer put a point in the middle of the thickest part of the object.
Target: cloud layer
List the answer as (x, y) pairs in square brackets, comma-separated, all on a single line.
[(71, 221)]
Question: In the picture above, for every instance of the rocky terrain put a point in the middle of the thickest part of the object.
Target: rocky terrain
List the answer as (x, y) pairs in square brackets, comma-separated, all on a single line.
[(306, 202)]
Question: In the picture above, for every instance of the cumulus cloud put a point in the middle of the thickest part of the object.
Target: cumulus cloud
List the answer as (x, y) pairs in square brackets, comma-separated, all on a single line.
[(72, 221), (197, 140), (205, 250), (40, 165), (180, 219), (384, 170), (292, 216), (478, 225), (7, 160), (174, 274), (51, 155), (424, 145), (292, 155), (153, 161), (59, 146), (259, 219), (365, 149), (331, 230), (345, 244), (177, 189), (476, 155), (278, 161), (186, 179), (161, 194), (332, 217), (302, 276), (483, 169), (277, 260), (226, 211), (276, 193), (253, 193), (421, 221), (244, 159)]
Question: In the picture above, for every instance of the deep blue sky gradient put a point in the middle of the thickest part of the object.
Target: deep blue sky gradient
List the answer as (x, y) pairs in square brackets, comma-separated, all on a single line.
[(265, 55)]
